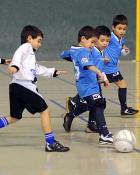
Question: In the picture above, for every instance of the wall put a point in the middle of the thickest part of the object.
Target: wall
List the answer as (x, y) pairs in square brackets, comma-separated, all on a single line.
[(60, 20)]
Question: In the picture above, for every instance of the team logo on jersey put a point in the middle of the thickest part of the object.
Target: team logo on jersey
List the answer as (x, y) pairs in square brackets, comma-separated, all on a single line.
[(84, 60)]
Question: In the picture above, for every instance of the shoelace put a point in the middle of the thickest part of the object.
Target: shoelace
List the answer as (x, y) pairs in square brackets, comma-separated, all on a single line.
[(58, 145)]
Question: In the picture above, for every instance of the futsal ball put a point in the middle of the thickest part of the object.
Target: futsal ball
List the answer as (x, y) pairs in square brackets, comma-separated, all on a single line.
[(124, 141)]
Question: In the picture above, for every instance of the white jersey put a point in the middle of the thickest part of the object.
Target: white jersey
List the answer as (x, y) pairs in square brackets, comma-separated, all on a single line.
[(24, 59)]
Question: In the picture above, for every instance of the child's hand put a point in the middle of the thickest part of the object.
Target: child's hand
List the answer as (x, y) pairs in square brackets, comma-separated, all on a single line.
[(106, 59), (61, 72), (125, 51), (12, 70), (106, 84), (7, 61), (100, 78)]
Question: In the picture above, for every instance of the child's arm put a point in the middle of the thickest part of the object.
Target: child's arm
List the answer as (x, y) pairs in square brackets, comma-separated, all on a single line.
[(5, 61), (48, 72), (125, 51), (97, 71), (66, 55), (12, 70)]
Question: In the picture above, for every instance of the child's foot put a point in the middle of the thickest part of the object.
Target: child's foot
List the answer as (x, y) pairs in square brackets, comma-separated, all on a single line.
[(91, 128), (67, 122), (70, 105), (56, 147), (129, 111), (108, 139)]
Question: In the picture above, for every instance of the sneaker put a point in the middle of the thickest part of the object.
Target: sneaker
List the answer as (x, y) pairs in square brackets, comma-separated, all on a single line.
[(129, 111), (56, 147), (132, 109), (91, 128), (108, 139), (70, 105), (67, 122)]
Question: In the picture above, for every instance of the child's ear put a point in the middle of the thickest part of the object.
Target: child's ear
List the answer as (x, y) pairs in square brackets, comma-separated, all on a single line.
[(29, 38), (82, 38), (113, 28)]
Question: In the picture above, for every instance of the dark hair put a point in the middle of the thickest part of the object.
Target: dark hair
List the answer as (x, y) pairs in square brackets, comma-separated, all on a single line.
[(102, 30), (120, 19), (30, 30), (87, 32)]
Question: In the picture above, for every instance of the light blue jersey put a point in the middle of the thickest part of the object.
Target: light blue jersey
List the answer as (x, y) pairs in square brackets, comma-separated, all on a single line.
[(86, 81), (98, 58), (113, 52)]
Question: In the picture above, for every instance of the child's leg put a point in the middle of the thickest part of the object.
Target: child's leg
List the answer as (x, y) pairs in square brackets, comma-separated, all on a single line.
[(71, 102), (51, 143), (96, 106), (91, 125), (122, 93), (4, 121), (45, 121), (80, 107)]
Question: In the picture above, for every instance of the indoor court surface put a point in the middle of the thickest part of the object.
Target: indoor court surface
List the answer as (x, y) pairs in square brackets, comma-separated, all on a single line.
[(22, 144)]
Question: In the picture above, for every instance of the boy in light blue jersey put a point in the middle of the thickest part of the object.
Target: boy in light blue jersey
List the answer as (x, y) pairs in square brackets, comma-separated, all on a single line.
[(114, 51), (102, 39), (87, 83)]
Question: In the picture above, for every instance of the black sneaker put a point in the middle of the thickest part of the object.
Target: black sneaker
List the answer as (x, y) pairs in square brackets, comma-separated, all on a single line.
[(56, 147), (67, 122), (91, 128), (108, 139), (129, 111), (132, 109), (70, 104)]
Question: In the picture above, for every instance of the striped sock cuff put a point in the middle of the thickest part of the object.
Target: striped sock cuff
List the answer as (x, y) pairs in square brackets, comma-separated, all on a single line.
[(3, 122), (49, 137)]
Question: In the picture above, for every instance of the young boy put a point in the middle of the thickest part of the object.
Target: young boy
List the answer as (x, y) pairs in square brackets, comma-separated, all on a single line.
[(87, 83), (103, 35), (23, 89), (115, 49)]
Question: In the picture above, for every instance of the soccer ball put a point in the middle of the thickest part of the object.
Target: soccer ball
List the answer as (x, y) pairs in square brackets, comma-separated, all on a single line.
[(124, 141)]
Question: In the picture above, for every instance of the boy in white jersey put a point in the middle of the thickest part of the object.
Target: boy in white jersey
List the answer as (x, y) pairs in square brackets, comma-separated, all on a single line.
[(23, 89)]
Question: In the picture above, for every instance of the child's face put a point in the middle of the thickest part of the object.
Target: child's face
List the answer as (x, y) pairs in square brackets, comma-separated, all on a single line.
[(36, 42), (102, 42), (88, 43), (119, 30)]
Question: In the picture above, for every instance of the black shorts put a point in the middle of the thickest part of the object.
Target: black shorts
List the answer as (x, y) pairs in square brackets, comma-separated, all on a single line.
[(22, 98), (114, 77)]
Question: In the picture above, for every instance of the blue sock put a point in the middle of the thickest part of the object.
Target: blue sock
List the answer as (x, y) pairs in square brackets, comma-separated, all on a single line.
[(49, 138), (3, 122)]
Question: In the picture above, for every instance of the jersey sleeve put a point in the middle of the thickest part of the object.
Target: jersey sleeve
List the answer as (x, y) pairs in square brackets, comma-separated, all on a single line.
[(66, 55), (19, 54), (44, 71)]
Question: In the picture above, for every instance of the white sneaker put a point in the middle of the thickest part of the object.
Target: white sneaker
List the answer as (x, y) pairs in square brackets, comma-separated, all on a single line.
[(108, 139)]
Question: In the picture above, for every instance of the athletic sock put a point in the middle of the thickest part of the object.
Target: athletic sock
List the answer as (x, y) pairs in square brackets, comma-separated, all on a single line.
[(122, 92), (103, 130), (49, 138), (3, 122)]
